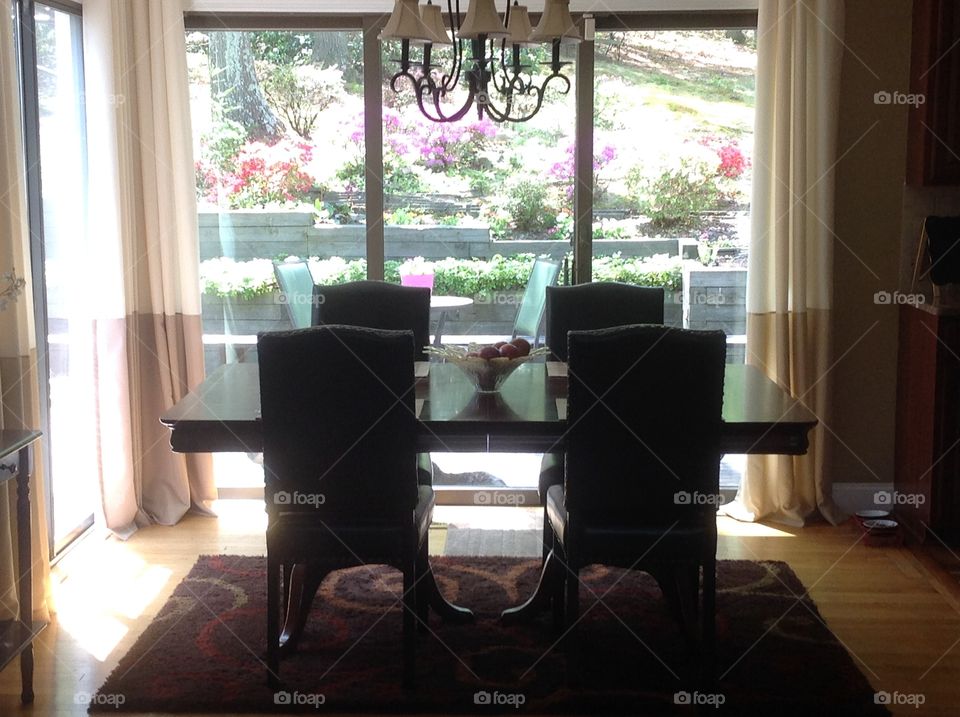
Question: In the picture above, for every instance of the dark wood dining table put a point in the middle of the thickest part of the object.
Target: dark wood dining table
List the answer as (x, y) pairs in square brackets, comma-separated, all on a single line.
[(527, 415), (222, 414)]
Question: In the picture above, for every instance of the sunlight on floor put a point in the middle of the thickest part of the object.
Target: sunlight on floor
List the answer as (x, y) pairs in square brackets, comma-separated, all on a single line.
[(100, 589), (240, 517), (731, 527)]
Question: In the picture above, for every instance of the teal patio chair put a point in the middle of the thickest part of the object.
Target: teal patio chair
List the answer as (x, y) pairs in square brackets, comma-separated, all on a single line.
[(296, 291)]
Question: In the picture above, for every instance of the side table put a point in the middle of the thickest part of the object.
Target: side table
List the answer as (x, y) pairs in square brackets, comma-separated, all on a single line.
[(16, 636)]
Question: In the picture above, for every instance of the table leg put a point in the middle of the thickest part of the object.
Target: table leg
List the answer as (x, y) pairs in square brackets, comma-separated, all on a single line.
[(540, 600), (438, 335), (25, 578)]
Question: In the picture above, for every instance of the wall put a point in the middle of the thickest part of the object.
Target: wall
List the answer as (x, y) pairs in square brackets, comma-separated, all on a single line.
[(870, 175)]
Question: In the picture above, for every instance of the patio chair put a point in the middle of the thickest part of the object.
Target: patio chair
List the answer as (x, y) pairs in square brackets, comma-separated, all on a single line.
[(296, 290), (351, 498), (529, 321), (642, 470)]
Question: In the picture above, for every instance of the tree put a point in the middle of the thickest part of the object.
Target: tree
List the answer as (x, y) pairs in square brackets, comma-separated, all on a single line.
[(235, 88)]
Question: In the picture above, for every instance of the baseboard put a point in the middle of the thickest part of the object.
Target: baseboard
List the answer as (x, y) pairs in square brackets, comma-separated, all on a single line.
[(851, 497)]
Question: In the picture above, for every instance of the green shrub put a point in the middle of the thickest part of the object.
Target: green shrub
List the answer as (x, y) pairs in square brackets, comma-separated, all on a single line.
[(529, 209), (453, 277), (660, 270), (675, 199)]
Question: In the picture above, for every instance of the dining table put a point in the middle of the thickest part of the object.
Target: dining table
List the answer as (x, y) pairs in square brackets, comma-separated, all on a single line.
[(528, 414)]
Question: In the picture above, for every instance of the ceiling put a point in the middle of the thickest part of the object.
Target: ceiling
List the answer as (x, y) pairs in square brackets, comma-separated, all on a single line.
[(382, 6)]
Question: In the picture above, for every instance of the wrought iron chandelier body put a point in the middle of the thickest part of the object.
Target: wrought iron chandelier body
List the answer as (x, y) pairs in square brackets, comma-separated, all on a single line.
[(489, 74)]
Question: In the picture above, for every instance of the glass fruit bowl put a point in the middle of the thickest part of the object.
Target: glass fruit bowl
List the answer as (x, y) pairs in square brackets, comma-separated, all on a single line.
[(487, 374)]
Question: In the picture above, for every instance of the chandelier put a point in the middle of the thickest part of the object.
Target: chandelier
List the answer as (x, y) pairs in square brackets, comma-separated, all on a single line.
[(497, 81)]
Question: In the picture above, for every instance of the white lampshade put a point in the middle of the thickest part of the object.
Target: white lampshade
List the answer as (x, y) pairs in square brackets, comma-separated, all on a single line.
[(433, 20), (556, 24), (482, 19), (405, 24), (519, 25)]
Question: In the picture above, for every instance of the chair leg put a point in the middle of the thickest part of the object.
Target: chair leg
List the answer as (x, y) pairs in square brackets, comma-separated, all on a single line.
[(409, 628), (572, 613), (273, 624), (549, 537), (708, 670), (422, 593)]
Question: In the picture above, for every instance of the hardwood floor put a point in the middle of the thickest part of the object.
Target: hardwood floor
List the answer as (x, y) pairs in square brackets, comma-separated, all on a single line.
[(897, 613)]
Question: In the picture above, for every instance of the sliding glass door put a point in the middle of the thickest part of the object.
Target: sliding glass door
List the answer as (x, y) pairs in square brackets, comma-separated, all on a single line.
[(61, 274)]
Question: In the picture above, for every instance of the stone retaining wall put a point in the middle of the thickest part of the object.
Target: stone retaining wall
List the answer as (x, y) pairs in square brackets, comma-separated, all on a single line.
[(253, 234)]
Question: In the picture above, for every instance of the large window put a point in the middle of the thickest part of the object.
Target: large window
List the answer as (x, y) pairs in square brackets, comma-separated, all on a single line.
[(682, 200), (278, 122), (280, 129)]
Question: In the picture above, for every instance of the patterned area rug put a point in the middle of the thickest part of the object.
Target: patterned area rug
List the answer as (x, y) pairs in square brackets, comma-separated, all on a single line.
[(203, 651)]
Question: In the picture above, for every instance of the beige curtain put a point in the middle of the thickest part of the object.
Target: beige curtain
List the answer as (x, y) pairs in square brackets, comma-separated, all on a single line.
[(791, 251), (143, 230), (18, 348)]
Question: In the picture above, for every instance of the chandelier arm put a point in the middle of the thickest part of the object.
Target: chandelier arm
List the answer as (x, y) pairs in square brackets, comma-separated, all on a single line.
[(435, 94), (449, 81)]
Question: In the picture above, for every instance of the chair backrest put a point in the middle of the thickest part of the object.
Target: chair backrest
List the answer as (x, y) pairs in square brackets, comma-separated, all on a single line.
[(544, 273), (376, 305), (644, 420), (338, 423), (599, 305), (296, 290)]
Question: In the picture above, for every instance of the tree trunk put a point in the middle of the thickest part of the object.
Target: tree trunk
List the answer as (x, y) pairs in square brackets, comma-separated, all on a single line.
[(329, 49), (234, 86)]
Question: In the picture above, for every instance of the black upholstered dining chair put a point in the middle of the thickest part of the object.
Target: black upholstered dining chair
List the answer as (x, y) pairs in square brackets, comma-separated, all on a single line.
[(376, 305), (351, 498), (379, 305), (597, 305), (642, 468)]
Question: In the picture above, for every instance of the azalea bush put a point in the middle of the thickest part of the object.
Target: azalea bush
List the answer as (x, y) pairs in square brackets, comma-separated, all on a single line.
[(260, 175), (562, 172)]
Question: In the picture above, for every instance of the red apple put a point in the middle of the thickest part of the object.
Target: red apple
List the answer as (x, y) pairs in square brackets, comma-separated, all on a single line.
[(510, 351), (499, 344), (522, 345), (489, 352)]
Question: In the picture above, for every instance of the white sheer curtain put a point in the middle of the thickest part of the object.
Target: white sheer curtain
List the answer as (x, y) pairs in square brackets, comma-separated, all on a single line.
[(789, 295), (146, 302), (18, 347)]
